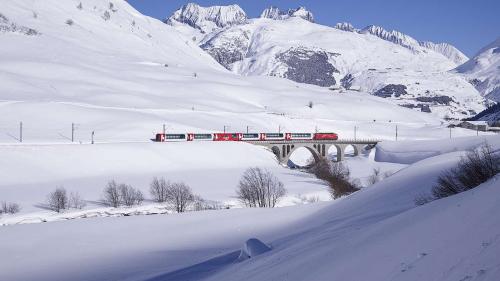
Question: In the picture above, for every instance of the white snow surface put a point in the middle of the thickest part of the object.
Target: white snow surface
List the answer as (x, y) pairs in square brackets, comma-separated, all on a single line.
[(485, 68), (451, 239)]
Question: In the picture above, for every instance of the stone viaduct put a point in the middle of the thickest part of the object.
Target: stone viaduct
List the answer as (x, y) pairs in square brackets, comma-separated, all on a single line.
[(283, 149)]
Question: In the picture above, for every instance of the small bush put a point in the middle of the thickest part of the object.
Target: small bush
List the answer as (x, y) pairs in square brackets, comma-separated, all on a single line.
[(475, 168), (80, 6), (106, 16), (58, 200), (200, 204), (310, 104), (9, 208), (423, 199), (69, 22), (374, 177), (259, 188), (336, 175), (179, 197)]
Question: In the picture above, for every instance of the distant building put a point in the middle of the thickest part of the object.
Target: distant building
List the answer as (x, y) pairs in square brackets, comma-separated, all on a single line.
[(474, 125)]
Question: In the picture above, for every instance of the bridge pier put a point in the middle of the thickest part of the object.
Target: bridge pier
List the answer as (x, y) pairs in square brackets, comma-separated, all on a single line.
[(319, 149)]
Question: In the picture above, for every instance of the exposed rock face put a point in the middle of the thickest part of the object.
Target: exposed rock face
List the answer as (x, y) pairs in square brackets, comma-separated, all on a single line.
[(345, 26), (205, 18), (393, 36), (445, 100), (277, 14), (391, 90), (346, 81), (226, 50), (7, 26), (308, 66), (491, 114)]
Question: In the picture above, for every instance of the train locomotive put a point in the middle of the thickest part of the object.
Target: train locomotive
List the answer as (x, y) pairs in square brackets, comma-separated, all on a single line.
[(160, 137)]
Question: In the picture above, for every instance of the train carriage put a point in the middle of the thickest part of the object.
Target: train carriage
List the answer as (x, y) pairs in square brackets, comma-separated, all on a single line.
[(228, 136), (273, 136), (170, 137), (326, 136)]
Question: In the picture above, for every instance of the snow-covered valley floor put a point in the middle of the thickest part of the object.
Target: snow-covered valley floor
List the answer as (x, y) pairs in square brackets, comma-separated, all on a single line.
[(448, 239)]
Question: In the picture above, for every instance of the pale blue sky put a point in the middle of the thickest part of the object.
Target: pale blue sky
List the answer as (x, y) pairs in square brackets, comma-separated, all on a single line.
[(469, 25)]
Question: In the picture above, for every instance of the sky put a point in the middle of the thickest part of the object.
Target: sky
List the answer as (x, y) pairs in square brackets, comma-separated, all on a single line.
[(469, 25)]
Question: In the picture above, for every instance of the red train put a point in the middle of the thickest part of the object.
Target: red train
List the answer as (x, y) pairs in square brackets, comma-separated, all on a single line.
[(244, 136)]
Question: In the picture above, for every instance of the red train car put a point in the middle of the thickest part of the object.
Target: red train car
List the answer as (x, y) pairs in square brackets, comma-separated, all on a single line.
[(228, 136), (325, 136)]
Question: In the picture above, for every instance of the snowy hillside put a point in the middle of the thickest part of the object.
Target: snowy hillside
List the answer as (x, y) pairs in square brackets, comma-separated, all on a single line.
[(450, 238), (283, 44), (483, 70)]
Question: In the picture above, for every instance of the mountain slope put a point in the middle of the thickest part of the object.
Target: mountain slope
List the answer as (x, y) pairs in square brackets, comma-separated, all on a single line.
[(483, 70)]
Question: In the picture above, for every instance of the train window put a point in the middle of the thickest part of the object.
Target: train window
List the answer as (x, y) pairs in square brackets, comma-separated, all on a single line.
[(175, 136), (202, 136), (301, 135), (274, 135), (234, 135), (250, 135)]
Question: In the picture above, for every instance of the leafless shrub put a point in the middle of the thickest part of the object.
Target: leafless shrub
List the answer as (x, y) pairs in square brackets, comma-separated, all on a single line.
[(179, 196), (112, 194), (69, 22), (80, 6), (106, 16), (130, 196), (9, 208), (475, 168), (159, 189), (336, 175), (374, 177), (259, 188), (112, 7), (35, 15), (200, 204), (58, 200), (195, 75), (310, 104), (76, 201), (423, 199)]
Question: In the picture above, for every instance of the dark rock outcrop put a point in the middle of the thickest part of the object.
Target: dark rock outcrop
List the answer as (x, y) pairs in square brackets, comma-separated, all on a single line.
[(309, 66), (390, 90)]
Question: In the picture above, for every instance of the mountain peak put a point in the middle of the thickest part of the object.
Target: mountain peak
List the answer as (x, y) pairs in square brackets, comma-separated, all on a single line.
[(276, 14), (208, 18), (345, 26)]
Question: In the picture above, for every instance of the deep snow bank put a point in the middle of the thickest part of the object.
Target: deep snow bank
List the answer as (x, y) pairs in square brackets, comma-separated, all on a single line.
[(409, 152)]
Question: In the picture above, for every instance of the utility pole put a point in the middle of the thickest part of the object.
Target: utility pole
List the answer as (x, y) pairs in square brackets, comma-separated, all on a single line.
[(20, 131), (477, 130), (247, 129), (224, 129), (279, 129), (164, 129), (355, 128), (450, 132), (396, 132), (92, 137), (316, 129), (72, 132)]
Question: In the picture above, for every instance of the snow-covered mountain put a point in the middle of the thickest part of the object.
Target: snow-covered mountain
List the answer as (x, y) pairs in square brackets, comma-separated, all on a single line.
[(210, 18), (276, 14), (280, 44), (483, 70)]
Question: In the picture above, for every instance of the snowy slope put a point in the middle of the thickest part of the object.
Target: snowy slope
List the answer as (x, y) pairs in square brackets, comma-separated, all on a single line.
[(327, 56), (288, 44), (450, 239), (483, 70)]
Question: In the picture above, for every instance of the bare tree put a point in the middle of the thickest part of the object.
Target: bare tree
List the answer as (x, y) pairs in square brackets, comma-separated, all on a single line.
[(259, 188), (58, 200), (112, 194), (179, 196), (9, 208), (130, 196), (159, 189), (76, 201)]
